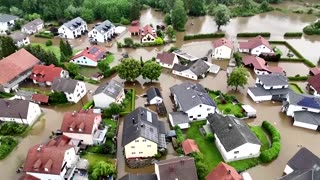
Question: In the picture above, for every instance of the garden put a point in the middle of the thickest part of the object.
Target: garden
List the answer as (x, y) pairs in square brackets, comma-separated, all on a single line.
[(296, 88), (7, 144)]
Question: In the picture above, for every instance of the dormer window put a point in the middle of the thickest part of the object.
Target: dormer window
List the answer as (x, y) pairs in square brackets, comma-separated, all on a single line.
[(80, 130), (70, 129)]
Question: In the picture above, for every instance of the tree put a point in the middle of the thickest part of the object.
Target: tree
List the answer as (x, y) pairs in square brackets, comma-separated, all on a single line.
[(113, 109), (170, 31), (159, 41), (65, 50), (238, 77), (87, 14), (128, 41), (129, 69), (104, 67), (103, 169), (222, 15), (7, 46), (33, 16), (48, 57), (16, 11), (57, 98), (197, 8), (179, 16), (73, 69), (264, 6), (167, 19), (151, 70), (68, 51), (135, 10)]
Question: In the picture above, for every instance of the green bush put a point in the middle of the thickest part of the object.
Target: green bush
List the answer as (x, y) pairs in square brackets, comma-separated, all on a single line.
[(124, 21), (203, 36), (47, 35), (49, 42), (179, 150), (12, 129), (273, 152), (210, 137), (179, 134), (254, 34), (6, 95), (57, 98), (173, 48), (227, 110), (79, 77), (7, 145), (88, 105), (293, 34), (298, 78), (311, 30)]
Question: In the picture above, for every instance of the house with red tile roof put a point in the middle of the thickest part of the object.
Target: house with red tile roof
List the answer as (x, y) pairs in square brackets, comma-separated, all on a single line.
[(189, 146), (224, 171), (314, 71), (45, 75), (260, 66), (314, 85), (84, 125), (90, 56), (16, 68), (134, 29), (255, 46), (167, 59), (222, 49), (40, 98), (148, 34)]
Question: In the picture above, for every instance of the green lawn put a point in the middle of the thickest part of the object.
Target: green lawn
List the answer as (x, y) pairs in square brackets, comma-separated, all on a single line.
[(111, 123), (296, 88), (262, 136), (54, 49), (109, 58), (95, 158)]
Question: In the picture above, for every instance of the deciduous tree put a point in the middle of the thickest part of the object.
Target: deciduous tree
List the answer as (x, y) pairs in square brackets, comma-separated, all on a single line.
[(104, 67), (170, 31), (238, 77), (135, 9), (129, 69), (179, 16), (222, 15), (151, 70), (7, 46), (73, 69), (197, 8), (103, 169)]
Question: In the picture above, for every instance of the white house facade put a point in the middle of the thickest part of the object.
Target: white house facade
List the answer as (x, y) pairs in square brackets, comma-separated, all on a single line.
[(32, 27), (186, 73), (261, 49), (103, 32), (90, 56), (79, 92), (73, 89), (73, 28), (148, 34), (167, 60), (222, 49), (6, 22), (141, 148), (255, 46)]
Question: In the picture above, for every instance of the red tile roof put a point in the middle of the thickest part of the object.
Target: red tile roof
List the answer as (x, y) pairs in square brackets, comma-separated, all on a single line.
[(94, 53), (148, 30), (224, 172), (45, 73), (189, 146), (315, 70), (40, 98), (260, 64), (134, 29), (135, 23), (79, 122), (254, 42), (59, 141), (16, 64), (314, 81), (222, 42), (166, 57)]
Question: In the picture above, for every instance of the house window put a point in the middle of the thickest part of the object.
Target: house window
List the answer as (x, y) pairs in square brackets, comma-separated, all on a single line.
[(148, 145), (200, 105), (209, 109), (133, 153), (236, 152), (199, 115), (136, 141), (132, 147), (144, 140), (190, 117), (305, 108), (140, 152)]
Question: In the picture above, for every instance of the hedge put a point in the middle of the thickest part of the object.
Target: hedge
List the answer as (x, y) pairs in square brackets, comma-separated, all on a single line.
[(179, 134), (273, 152), (44, 35), (254, 34), (88, 105), (298, 78), (133, 102), (203, 36), (12, 129), (293, 34), (7, 145), (6, 95)]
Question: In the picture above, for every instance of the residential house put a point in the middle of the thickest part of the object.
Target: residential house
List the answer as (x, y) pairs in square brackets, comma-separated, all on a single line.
[(103, 32), (154, 96), (107, 93), (260, 66), (304, 165), (314, 71), (233, 138), (175, 169), (40, 98), (148, 34), (189, 146), (194, 70), (269, 87), (222, 49), (33, 26), (314, 85), (28, 177), (167, 59), (255, 46), (20, 39), (180, 119), (45, 75), (143, 134), (185, 56), (193, 100), (73, 89), (305, 110), (19, 111), (7, 22), (84, 125), (54, 160), (73, 28), (223, 171), (16, 68), (134, 29), (89, 56), (139, 177)]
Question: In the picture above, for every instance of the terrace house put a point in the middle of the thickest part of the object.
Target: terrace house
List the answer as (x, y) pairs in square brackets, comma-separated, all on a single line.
[(73, 28), (103, 32)]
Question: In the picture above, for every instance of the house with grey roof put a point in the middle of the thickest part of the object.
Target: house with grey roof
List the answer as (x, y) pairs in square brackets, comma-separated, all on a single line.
[(268, 87), (193, 100), (180, 119), (102, 32), (20, 39), (304, 109), (304, 165), (73, 89), (7, 21), (19, 111), (73, 28), (233, 138), (107, 93), (143, 134), (33, 26), (154, 95), (194, 70), (139, 177)]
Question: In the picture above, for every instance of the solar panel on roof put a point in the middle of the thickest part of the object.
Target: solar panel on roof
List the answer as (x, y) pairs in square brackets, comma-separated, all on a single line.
[(111, 90), (309, 102), (93, 50)]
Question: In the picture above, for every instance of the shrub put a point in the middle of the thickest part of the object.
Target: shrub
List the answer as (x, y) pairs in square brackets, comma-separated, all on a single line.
[(179, 150), (173, 48), (312, 29), (254, 34), (124, 21), (298, 78), (237, 56), (159, 41), (179, 134), (12, 129), (88, 105), (7, 145), (227, 110), (110, 134), (210, 137), (203, 36), (6, 95), (57, 98), (272, 131), (293, 34), (128, 41), (45, 34), (271, 153), (49, 43)]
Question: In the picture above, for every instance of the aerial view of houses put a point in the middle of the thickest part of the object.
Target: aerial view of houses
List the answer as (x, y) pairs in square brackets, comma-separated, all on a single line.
[(159, 90)]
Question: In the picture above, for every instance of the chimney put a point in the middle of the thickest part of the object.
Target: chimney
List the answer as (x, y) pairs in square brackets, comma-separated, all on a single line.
[(39, 148), (87, 48), (133, 121), (74, 113), (229, 172), (229, 126), (142, 125)]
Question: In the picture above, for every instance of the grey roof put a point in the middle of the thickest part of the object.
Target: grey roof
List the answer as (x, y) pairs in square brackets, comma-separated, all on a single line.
[(141, 123), (153, 92), (32, 25), (26, 94), (7, 17), (273, 79), (112, 88), (307, 117), (104, 27), (304, 100), (179, 67), (199, 67), (139, 177), (14, 108), (307, 174), (232, 132), (64, 85), (258, 90), (74, 23), (18, 36), (179, 118), (191, 95)]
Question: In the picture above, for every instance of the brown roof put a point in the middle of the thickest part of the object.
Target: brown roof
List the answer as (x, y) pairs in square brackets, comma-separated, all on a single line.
[(254, 42), (79, 122), (177, 168), (224, 172), (94, 53), (148, 30), (314, 81), (189, 146), (166, 57), (59, 141), (134, 29), (40, 98), (42, 73), (14, 108), (260, 64), (28, 177), (222, 42), (315, 70), (16, 64)]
